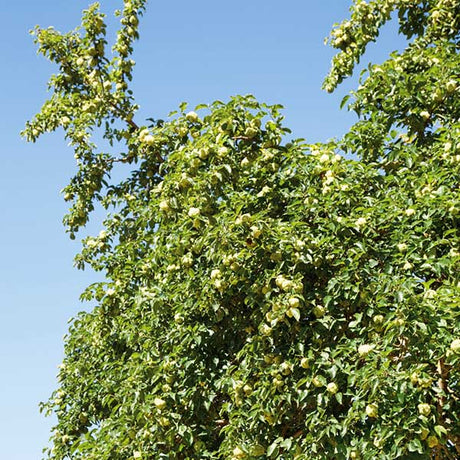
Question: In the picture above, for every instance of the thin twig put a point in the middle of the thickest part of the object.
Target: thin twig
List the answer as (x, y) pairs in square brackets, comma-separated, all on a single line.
[(446, 451)]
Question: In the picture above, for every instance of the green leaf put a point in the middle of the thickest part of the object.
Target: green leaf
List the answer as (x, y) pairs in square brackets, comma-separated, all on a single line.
[(415, 446)]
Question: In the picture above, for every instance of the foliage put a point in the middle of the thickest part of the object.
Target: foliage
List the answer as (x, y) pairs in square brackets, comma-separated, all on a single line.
[(265, 298)]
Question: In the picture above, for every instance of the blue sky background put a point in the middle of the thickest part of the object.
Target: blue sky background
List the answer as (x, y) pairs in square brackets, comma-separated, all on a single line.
[(189, 51)]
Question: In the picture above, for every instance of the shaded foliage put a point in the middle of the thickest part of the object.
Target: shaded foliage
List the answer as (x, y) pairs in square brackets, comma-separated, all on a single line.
[(265, 298)]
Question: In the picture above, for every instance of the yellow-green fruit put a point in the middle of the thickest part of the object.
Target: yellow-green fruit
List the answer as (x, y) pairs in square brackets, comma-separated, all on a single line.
[(245, 162), (372, 410), (425, 114), (192, 117), (256, 231), (378, 319), (203, 153), (247, 390), (332, 388), (281, 281), (438, 95), (265, 329), (305, 363), (424, 434), (293, 312), (65, 439), (285, 368), (178, 318), (257, 450), (238, 452), (432, 441), (451, 86), (194, 212), (319, 311), (159, 403), (164, 206), (148, 140), (294, 302), (317, 382), (364, 350), (455, 346), (163, 421), (424, 409), (250, 132)]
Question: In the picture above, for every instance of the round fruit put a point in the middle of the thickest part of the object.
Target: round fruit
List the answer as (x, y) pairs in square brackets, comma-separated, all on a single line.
[(319, 311), (245, 162), (250, 132), (269, 418), (192, 117), (178, 318), (285, 368), (163, 421), (424, 409), (238, 452), (378, 319), (149, 140), (159, 403), (332, 388), (372, 410), (293, 313), (432, 441), (364, 350), (247, 390), (164, 206), (424, 434), (317, 382), (256, 231), (305, 363), (425, 115), (257, 450), (194, 212), (455, 346), (294, 302), (265, 329)]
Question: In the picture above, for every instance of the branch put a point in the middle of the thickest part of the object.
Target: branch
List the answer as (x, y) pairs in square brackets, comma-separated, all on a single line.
[(447, 453), (442, 384), (121, 114)]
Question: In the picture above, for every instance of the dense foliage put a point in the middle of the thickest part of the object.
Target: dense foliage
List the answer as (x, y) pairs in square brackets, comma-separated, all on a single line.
[(265, 298)]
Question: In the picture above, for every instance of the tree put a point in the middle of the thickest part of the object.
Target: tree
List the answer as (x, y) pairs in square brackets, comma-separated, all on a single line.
[(265, 298)]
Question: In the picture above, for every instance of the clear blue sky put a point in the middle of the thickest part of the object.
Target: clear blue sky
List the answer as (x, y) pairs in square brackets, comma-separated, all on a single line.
[(189, 51)]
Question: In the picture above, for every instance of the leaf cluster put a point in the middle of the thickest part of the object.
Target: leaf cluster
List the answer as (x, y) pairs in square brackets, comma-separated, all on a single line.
[(266, 298)]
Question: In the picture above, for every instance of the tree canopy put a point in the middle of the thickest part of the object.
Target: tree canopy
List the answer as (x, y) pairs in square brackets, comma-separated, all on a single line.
[(264, 297)]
